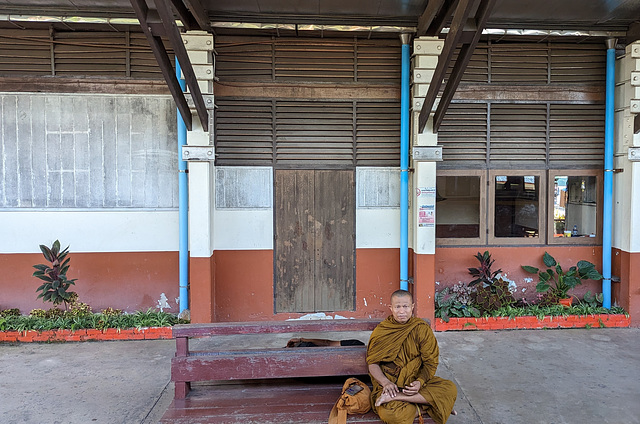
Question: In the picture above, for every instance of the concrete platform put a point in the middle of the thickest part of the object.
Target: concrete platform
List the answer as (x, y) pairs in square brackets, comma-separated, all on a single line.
[(522, 376)]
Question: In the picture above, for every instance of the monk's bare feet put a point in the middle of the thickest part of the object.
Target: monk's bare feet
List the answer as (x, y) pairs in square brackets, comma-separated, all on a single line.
[(384, 398), (454, 412)]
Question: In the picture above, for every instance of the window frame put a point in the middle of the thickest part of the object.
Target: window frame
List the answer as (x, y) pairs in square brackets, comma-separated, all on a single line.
[(482, 235), (492, 240), (553, 173)]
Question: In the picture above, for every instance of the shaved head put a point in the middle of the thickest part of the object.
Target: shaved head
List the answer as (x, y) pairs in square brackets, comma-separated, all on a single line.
[(401, 293)]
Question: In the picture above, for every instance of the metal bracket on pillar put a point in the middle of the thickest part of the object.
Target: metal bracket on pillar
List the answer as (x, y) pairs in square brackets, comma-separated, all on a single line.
[(634, 154), (208, 102), (635, 106), (198, 153), (427, 153)]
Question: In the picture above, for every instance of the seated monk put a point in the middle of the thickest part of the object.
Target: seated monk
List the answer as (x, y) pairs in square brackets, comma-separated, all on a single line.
[(403, 357)]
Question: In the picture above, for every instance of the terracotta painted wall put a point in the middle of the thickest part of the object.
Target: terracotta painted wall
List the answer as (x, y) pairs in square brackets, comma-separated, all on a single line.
[(452, 263), (627, 292), (128, 281), (244, 284)]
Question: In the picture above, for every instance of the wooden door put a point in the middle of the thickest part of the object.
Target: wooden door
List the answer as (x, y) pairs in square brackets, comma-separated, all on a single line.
[(314, 240)]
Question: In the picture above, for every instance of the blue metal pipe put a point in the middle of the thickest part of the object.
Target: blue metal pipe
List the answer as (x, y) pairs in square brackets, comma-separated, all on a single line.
[(183, 205), (608, 174), (404, 164)]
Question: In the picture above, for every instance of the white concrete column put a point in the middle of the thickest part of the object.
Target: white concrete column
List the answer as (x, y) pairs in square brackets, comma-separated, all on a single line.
[(626, 224), (425, 152), (199, 47)]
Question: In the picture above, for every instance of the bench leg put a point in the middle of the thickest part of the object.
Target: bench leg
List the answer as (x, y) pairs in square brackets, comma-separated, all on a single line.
[(182, 389)]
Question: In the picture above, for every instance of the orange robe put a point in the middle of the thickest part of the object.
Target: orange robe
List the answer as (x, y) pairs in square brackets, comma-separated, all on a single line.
[(413, 350)]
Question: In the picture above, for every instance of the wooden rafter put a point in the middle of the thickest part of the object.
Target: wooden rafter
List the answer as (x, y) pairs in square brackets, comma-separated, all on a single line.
[(142, 13), (453, 37), (483, 13), (440, 20), (199, 13), (172, 32), (187, 19), (424, 22)]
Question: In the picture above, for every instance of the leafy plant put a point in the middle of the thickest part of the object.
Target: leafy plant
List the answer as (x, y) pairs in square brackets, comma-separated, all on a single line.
[(593, 300), (558, 281), (455, 301), (56, 284), (492, 297), (483, 273)]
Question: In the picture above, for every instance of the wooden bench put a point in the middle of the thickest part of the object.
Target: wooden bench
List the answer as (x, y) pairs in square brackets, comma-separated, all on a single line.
[(266, 363)]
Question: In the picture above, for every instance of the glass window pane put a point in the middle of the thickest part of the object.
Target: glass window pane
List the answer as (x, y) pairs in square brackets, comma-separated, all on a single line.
[(574, 206), (517, 206), (458, 207)]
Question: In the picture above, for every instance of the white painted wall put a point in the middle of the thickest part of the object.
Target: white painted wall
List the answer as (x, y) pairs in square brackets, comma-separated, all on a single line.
[(23, 230)]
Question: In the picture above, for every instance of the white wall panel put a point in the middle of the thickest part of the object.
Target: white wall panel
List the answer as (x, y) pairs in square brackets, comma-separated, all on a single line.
[(243, 229), (22, 231), (377, 228)]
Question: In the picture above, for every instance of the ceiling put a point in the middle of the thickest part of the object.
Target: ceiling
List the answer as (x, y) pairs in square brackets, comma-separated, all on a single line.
[(601, 15)]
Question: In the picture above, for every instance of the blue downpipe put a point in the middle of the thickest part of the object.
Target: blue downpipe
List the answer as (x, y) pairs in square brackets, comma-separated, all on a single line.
[(608, 174), (404, 165), (183, 205)]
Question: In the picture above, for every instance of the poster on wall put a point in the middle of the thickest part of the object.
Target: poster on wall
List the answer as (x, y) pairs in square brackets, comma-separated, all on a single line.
[(426, 209)]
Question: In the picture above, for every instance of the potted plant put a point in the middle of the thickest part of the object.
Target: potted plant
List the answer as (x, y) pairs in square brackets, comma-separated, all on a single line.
[(557, 281)]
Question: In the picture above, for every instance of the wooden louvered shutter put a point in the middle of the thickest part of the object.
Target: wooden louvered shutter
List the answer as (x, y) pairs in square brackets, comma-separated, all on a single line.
[(300, 60), (378, 61), (313, 134), (378, 134), (463, 134), (244, 58), (90, 53), (576, 136), (244, 132), (578, 63), (25, 52), (519, 62), (518, 134)]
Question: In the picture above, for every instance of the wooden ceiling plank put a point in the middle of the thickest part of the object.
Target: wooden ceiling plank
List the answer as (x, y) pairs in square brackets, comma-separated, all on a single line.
[(141, 10), (450, 43), (164, 10), (483, 13)]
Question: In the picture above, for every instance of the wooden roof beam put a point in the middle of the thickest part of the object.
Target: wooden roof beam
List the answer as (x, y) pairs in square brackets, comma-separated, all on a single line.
[(424, 22), (187, 19), (483, 13), (171, 29), (199, 13), (440, 19), (142, 12), (453, 37)]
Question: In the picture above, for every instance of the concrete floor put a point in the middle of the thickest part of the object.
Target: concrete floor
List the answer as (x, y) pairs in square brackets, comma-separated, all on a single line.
[(522, 376)]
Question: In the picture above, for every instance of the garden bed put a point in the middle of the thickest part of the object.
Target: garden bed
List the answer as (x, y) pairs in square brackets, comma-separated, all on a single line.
[(533, 322)]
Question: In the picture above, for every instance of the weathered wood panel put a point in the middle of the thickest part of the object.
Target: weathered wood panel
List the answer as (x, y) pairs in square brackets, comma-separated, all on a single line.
[(270, 363), (294, 230), (273, 327), (335, 240)]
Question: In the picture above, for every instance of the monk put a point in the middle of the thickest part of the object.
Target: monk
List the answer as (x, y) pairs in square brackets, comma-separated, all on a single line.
[(402, 357)]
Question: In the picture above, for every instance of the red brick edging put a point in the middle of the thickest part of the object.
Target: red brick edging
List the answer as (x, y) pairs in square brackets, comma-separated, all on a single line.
[(528, 322), (147, 333)]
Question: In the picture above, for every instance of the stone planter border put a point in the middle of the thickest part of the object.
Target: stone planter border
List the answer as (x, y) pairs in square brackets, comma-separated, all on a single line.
[(146, 333), (530, 322)]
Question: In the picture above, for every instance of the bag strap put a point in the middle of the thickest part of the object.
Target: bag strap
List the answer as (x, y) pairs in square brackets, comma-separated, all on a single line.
[(338, 414)]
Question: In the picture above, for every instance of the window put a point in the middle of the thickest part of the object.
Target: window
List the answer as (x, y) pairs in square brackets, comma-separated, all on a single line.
[(574, 207), (460, 208), (516, 207)]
